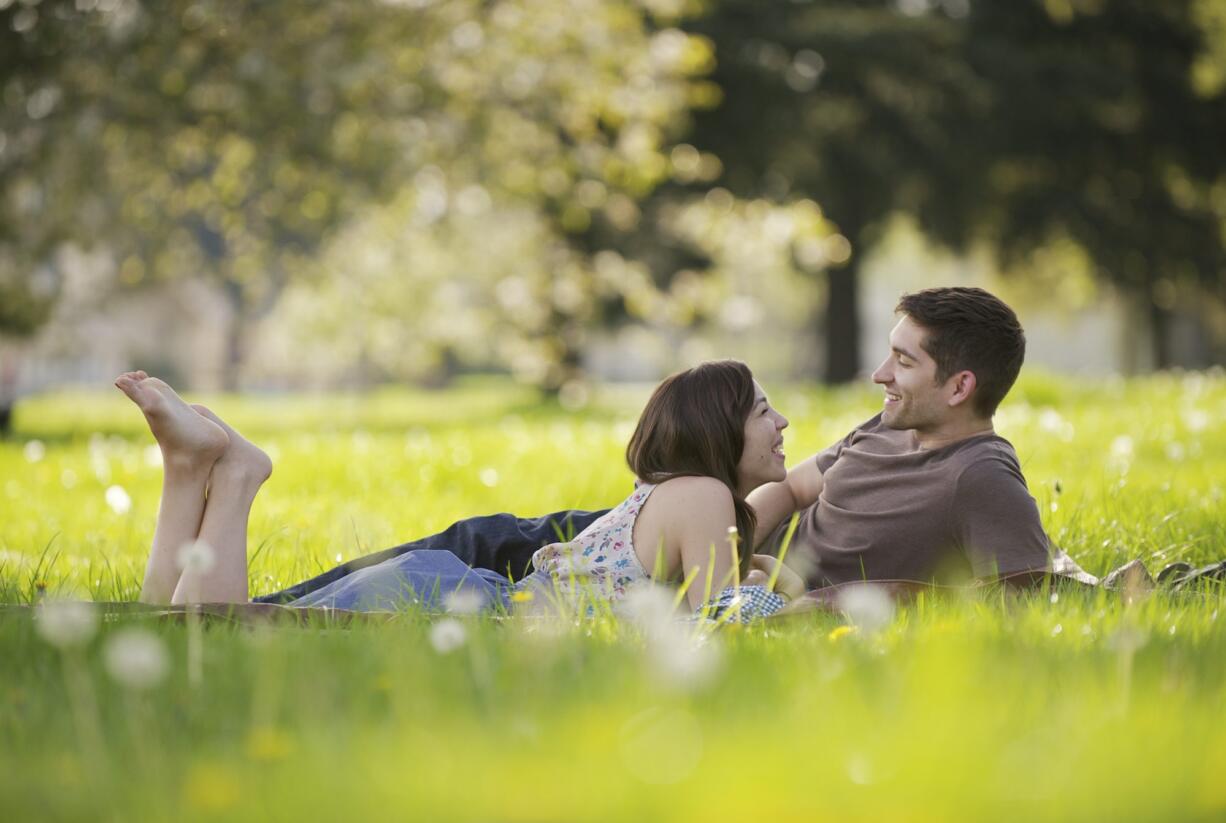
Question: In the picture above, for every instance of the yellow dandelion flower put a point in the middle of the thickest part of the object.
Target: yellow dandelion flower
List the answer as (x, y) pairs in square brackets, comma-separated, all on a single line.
[(211, 787), (521, 597), (268, 743), (839, 633)]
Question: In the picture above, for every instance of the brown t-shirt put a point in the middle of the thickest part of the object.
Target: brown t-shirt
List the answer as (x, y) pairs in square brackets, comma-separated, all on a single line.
[(890, 510)]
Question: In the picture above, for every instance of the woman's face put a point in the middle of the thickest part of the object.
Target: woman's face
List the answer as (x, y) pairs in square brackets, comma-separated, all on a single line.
[(762, 461)]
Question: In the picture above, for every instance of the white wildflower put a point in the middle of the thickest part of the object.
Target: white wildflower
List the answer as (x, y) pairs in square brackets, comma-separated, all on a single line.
[(136, 658), (464, 601), (197, 556), (66, 623), (118, 499), (447, 635), (34, 451), (870, 608)]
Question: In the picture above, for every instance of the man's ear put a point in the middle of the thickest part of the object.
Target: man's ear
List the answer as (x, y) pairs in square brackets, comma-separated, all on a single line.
[(963, 384)]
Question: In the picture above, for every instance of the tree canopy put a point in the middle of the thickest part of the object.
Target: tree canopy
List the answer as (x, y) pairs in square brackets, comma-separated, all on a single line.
[(533, 169), (1010, 124)]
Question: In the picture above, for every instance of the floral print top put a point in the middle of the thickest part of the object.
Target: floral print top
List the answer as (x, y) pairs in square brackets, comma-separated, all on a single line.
[(601, 560), (601, 557)]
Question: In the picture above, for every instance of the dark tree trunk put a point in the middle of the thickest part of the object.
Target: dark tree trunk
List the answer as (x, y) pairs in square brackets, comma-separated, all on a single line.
[(843, 323), (236, 337), (1160, 335)]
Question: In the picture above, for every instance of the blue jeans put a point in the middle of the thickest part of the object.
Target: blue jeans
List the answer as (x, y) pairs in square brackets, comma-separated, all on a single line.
[(501, 543)]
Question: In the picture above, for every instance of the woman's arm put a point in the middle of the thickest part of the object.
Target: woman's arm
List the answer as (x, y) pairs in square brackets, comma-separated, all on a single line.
[(700, 514), (775, 502)]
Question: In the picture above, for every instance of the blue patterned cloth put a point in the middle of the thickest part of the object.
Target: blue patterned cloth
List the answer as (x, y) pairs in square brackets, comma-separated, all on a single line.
[(754, 602)]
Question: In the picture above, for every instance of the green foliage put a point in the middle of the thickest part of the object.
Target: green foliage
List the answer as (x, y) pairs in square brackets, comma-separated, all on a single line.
[(1048, 705), (231, 140), (1014, 124)]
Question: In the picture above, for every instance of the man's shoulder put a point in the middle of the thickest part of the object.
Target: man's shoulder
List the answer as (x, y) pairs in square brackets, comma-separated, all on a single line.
[(980, 458)]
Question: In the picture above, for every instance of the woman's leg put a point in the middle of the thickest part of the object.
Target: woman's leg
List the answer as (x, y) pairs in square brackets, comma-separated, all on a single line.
[(236, 478), (190, 446)]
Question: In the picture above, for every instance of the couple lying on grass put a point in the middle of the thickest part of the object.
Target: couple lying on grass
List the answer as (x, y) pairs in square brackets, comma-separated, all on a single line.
[(924, 491)]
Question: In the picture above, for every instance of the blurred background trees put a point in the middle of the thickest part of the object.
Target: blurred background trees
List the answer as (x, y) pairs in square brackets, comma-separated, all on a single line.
[(1012, 125), (406, 188)]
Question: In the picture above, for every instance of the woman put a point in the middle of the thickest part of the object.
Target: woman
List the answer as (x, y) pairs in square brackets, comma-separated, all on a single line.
[(707, 437)]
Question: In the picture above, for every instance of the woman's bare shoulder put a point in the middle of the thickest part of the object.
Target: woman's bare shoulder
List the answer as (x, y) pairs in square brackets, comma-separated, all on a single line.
[(697, 493)]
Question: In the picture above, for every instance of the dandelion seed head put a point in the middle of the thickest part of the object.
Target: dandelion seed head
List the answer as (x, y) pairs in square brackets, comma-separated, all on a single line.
[(463, 601), (447, 635), (197, 556), (119, 501), (683, 660), (34, 451), (153, 456), (860, 769), (649, 606), (66, 623), (136, 658), (870, 608)]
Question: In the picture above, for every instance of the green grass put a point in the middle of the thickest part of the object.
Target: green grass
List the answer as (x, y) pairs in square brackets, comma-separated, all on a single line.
[(986, 706)]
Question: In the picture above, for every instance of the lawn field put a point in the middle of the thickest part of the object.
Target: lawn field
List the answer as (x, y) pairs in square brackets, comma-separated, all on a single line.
[(1053, 704)]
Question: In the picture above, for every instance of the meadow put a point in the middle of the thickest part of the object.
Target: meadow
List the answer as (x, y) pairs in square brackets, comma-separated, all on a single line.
[(1058, 703)]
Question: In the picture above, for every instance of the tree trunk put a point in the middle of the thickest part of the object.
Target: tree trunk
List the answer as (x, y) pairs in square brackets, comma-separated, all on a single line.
[(1160, 334), (236, 338), (843, 323)]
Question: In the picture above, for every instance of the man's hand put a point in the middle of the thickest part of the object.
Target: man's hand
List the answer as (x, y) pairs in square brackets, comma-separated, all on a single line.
[(775, 502), (789, 583)]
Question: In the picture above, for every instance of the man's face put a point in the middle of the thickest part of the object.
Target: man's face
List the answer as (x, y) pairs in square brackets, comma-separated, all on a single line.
[(913, 398)]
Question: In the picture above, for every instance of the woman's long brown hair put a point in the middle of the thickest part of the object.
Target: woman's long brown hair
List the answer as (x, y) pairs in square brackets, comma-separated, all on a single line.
[(694, 425)]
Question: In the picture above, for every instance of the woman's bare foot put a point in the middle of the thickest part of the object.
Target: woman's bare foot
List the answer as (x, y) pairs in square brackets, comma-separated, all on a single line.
[(242, 458), (185, 437)]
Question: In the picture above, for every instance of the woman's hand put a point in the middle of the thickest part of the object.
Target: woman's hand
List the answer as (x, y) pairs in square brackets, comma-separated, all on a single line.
[(762, 566)]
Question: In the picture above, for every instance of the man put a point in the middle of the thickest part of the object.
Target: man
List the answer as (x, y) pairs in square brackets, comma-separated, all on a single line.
[(924, 491)]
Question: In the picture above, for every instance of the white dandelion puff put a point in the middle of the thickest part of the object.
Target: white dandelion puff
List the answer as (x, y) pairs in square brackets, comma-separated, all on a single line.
[(197, 556), (447, 635), (66, 623), (136, 658), (463, 601), (869, 607), (119, 500)]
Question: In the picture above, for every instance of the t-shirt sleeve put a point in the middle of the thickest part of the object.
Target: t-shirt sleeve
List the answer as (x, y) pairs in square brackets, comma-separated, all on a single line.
[(997, 521), (826, 458)]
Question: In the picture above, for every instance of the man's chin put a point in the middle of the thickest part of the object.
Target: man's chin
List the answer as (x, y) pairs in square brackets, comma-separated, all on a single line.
[(891, 420)]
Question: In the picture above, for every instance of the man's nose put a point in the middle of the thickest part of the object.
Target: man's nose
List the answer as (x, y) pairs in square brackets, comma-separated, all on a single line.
[(782, 423), (883, 374)]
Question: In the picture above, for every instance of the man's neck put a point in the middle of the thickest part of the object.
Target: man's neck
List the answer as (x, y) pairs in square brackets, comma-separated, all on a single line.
[(953, 432)]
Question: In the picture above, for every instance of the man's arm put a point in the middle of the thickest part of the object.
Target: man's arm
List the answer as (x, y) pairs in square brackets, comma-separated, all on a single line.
[(775, 502), (997, 521)]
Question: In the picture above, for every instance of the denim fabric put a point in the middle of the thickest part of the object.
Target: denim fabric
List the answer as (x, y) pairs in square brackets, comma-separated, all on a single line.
[(426, 577), (501, 543)]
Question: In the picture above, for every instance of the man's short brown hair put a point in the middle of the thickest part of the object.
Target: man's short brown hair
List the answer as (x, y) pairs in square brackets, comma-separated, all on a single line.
[(969, 329)]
